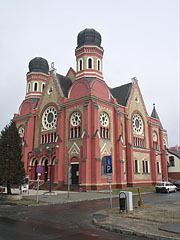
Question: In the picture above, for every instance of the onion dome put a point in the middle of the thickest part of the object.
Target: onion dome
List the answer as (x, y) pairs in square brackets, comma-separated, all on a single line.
[(89, 36), (39, 64)]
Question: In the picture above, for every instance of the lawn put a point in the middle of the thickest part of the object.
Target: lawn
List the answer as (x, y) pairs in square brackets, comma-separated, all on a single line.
[(134, 190)]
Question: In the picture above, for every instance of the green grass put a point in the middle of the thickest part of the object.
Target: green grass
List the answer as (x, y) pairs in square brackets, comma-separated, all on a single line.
[(134, 189)]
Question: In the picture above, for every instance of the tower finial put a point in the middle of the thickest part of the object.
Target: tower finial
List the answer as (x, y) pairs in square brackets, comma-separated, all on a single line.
[(52, 69)]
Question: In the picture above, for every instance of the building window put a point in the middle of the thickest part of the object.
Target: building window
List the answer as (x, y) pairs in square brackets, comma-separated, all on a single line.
[(136, 166), (43, 86), (104, 128), (75, 128), (145, 166), (139, 142), (158, 167), (103, 166), (35, 86), (48, 138), (98, 65), (29, 87), (80, 64), (89, 62), (171, 161), (155, 141), (165, 143)]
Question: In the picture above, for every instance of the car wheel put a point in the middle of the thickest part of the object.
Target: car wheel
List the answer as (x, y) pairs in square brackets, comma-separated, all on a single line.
[(167, 190), (175, 190)]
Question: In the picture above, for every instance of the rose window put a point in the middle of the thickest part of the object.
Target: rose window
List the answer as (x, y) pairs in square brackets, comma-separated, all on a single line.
[(75, 119), (49, 119), (137, 124), (104, 119), (21, 131)]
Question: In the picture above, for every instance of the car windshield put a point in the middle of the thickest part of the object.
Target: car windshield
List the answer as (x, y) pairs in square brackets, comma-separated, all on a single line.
[(160, 184)]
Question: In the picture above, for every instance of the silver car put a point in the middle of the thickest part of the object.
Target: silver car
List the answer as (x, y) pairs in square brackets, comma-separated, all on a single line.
[(165, 187)]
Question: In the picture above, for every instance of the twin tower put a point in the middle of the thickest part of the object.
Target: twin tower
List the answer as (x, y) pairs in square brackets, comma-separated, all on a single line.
[(89, 54)]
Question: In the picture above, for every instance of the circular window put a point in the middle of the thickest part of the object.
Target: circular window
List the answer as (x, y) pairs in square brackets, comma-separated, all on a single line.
[(75, 119), (21, 131), (104, 119), (137, 124), (49, 119)]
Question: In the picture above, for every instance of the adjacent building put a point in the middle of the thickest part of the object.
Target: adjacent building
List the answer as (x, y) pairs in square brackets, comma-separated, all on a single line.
[(71, 123), (174, 163)]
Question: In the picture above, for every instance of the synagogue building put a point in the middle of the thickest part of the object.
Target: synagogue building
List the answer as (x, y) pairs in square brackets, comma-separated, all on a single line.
[(73, 122)]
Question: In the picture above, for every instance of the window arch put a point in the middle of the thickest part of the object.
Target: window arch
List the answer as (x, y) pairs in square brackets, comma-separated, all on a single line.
[(28, 87), (80, 64), (75, 125), (155, 140), (138, 130), (35, 88), (89, 63), (42, 87), (103, 166), (98, 65), (104, 125)]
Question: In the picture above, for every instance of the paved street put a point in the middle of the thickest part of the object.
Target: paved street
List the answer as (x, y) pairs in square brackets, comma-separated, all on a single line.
[(65, 220)]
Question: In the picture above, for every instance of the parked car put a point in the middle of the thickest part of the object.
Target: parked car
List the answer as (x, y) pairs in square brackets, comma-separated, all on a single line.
[(177, 184), (165, 187)]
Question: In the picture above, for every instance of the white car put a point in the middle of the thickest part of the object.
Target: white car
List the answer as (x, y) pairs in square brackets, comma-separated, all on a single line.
[(165, 187)]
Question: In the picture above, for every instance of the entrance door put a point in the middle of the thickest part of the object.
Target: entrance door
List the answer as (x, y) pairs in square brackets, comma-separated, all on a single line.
[(75, 173)]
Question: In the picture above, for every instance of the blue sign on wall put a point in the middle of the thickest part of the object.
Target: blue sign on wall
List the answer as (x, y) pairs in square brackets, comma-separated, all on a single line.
[(108, 160), (108, 164)]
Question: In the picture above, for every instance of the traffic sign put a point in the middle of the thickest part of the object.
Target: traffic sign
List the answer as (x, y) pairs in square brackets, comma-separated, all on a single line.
[(109, 160), (108, 168), (39, 169), (109, 178), (109, 164)]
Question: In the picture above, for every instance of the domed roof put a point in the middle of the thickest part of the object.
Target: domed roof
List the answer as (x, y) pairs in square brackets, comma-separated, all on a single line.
[(89, 36), (39, 64)]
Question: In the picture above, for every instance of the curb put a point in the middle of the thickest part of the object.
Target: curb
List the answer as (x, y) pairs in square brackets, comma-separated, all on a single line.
[(124, 231)]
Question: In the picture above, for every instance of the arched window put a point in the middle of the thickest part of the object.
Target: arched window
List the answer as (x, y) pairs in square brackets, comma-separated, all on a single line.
[(98, 65), (72, 135), (28, 87), (75, 125), (90, 63), (155, 140), (35, 86), (43, 86), (103, 166), (80, 65), (104, 125)]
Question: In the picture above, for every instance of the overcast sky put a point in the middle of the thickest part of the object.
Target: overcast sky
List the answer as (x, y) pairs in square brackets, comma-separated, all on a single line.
[(140, 38)]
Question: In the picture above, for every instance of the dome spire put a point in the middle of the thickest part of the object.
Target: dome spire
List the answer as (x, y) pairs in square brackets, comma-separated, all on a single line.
[(89, 54), (89, 36)]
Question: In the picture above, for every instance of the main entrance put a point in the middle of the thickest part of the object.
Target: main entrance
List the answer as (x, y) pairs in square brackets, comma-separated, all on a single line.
[(75, 173)]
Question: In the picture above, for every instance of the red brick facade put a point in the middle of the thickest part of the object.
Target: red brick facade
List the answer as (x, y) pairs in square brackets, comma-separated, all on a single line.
[(87, 120)]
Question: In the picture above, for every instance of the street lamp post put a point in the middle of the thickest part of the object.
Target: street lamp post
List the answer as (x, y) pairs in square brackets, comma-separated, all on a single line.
[(50, 180)]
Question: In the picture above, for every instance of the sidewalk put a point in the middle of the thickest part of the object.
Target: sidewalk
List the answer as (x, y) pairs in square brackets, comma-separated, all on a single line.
[(61, 196)]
